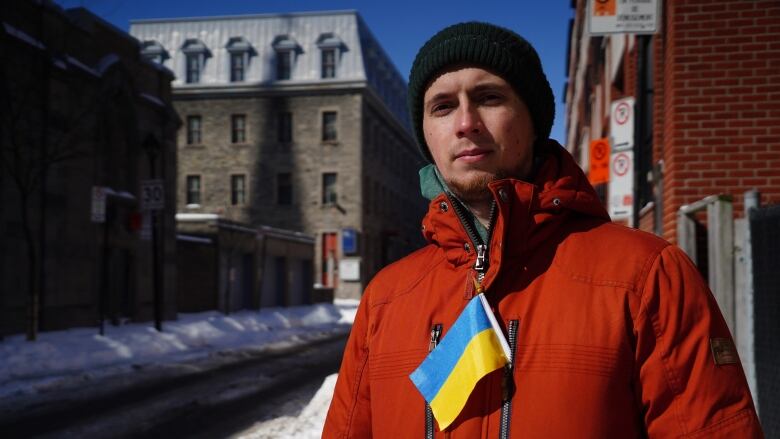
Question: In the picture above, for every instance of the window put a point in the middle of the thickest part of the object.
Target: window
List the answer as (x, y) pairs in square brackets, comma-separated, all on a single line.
[(329, 63), (237, 189), (195, 54), (238, 128), (329, 130), (154, 51), (240, 51), (193, 189), (329, 193), (193, 130), (236, 67), (193, 68), (330, 46), (284, 188), (285, 48), (284, 127), (284, 64)]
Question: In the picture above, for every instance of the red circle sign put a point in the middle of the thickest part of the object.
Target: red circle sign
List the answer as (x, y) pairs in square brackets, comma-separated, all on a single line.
[(621, 164), (622, 113)]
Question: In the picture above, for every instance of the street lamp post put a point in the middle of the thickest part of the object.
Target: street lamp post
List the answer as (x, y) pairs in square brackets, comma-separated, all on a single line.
[(152, 148)]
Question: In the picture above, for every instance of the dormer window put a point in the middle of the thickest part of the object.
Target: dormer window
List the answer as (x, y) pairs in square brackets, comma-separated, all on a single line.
[(237, 67), (330, 51), (194, 65), (328, 63), (240, 50), (154, 52), (286, 48), (195, 54)]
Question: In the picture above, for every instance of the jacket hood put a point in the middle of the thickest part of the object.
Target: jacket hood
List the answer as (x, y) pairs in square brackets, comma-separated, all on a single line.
[(529, 213)]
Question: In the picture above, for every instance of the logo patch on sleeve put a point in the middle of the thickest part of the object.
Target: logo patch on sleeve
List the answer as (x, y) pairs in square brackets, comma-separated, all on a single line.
[(723, 351)]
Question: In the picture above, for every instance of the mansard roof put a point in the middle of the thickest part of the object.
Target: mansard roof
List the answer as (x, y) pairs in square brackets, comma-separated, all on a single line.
[(360, 56)]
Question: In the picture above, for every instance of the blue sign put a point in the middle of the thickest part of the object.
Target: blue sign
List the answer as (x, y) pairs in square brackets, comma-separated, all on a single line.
[(349, 241)]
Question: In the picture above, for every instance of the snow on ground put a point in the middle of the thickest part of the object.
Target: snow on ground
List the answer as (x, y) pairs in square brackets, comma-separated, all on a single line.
[(306, 425), (59, 358)]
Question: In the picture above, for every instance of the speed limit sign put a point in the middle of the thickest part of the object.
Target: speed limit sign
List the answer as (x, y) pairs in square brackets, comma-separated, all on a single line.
[(152, 195)]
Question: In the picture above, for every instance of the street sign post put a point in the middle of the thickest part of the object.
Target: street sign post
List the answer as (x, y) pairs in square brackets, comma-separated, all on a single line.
[(598, 171), (623, 16), (621, 185), (621, 124), (152, 194)]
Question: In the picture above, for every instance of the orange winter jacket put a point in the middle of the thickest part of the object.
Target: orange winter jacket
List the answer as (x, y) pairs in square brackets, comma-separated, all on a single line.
[(613, 329)]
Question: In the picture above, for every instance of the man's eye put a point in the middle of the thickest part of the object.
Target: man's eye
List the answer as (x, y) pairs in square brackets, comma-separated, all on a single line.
[(491, 99), (440, 108)]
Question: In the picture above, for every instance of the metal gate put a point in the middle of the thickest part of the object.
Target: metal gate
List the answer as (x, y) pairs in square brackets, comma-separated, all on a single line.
[(743, 272), (765, 240)]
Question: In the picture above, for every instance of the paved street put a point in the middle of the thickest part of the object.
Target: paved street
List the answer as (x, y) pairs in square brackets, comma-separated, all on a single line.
[(215, 403)]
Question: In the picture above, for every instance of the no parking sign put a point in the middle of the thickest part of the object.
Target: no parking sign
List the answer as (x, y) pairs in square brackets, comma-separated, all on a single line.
[(621, 124), (621, 185)]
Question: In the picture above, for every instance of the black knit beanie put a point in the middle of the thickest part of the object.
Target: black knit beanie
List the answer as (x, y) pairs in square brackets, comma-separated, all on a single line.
[(495, 48)]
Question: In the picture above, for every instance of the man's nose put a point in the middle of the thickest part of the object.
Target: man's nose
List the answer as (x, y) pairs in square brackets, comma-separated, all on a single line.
[(468, 122)]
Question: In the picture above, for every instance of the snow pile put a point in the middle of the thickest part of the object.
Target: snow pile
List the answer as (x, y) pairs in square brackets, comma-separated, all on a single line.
[(62, 357), (307, 425), (348, 308)]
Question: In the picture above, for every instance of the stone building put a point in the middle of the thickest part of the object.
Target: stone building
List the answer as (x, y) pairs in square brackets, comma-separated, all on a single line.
[(228, 266), (84, 120), (295, 121), (706, 117)]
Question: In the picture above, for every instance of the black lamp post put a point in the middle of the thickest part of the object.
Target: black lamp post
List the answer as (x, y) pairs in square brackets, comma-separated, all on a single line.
[(152, 148)]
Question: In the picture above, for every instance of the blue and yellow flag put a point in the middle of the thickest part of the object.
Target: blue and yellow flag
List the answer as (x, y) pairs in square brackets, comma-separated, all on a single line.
[(472, 348)]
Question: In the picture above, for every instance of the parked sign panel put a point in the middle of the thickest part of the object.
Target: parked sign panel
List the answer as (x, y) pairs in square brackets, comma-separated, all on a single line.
[(349, 241), (349, 269), (621, 124), (621, 185), (98, 204), (598, 171), (623, 16), (152, 195)]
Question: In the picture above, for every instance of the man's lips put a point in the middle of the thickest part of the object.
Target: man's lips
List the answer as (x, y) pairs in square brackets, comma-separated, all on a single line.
[(472, 155)]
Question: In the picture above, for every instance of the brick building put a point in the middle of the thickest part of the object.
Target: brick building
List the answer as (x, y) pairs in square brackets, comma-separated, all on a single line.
[(706, 114), (81, 110), (295, 121)]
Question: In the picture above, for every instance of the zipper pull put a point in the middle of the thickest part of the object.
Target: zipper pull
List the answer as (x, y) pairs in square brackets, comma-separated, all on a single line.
[(480, 264), (477, 287), (435, 334)]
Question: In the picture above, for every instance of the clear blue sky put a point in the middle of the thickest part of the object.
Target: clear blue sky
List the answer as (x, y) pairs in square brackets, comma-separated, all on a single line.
[(400, 26)]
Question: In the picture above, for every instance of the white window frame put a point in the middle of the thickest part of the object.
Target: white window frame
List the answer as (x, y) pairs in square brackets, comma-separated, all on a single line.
[(239, 47), (194, 49), (328, 42), (285, 46)]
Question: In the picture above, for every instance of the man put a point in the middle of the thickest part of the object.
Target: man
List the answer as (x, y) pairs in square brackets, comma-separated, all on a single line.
[(612, 330)]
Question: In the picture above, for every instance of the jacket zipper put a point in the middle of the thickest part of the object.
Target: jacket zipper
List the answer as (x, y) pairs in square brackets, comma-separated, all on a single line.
[(435, 335), (508, 386), (483, 256), (480, 266)]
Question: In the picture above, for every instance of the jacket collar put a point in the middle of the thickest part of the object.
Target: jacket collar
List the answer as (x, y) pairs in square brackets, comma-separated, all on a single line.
[(528, 212)]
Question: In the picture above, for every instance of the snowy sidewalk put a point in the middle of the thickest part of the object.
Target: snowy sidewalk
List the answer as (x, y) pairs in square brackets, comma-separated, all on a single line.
[(61, 361)]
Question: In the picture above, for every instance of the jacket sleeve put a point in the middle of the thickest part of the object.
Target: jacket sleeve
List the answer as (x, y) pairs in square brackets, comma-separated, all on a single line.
[(349, 415), (682, 391)]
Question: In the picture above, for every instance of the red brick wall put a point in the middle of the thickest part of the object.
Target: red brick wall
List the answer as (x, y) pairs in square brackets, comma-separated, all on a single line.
[(721, 102)]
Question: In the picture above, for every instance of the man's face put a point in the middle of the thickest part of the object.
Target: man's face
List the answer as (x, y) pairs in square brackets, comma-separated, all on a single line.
[(477, 129)]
